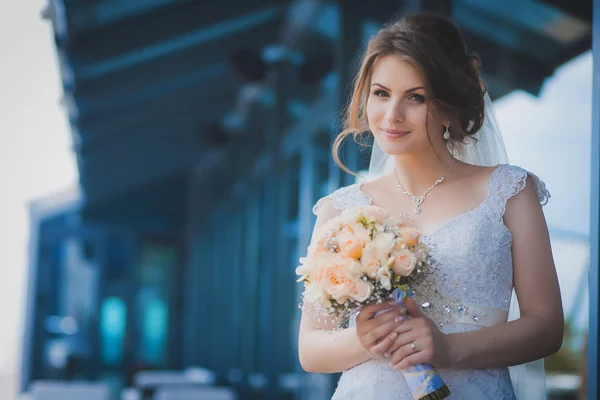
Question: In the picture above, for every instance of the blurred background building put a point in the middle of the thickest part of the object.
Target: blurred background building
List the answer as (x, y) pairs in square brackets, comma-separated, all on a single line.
[(202, 137)]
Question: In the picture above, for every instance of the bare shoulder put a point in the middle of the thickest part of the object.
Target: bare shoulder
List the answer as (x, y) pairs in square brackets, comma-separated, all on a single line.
[(464, 171), (472, 180), (378, 188)]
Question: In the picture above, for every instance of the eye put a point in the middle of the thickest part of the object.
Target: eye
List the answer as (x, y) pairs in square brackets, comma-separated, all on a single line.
[(417, 97), (380, 93)]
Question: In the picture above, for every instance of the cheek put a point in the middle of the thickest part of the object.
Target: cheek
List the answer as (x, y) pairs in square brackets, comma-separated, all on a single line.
[(375, 111), (419, 116)]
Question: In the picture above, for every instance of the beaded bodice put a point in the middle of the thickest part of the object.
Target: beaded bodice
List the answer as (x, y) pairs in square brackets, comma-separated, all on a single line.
[(470, 256)]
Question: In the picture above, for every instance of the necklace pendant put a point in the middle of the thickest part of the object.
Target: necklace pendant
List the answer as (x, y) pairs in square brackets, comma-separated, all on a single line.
[(418, 201)]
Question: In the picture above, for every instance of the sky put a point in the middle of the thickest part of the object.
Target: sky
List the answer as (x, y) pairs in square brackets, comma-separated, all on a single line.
[(36, 158), (549, 136)]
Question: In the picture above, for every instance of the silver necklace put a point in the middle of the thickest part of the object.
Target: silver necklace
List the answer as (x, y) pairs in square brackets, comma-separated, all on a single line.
[(418, 200)]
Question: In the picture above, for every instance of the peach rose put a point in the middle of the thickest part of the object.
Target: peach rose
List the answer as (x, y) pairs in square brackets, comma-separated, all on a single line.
[(338, 278), (409, 236), (362, 290), (317, 246), (311, 268), (404, 262), (351, 240)]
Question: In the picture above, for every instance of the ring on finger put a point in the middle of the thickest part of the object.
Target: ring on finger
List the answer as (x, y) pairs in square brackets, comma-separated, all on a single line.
[(413, 347)]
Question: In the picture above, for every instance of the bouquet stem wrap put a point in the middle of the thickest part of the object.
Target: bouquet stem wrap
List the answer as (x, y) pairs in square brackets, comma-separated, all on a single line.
[(422, 379)]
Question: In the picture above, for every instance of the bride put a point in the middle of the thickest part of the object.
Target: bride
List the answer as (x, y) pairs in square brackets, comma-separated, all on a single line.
[(438, 157)]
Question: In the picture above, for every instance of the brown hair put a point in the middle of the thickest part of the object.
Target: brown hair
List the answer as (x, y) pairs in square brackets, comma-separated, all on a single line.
[(434, 46)]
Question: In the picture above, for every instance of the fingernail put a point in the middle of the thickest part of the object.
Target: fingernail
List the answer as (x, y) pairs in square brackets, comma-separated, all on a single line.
[(386, 355), (398, 319), (393, 335)]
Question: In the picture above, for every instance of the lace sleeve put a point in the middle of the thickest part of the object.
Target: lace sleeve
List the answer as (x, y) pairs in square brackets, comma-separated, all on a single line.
[(507, 181), (345, 198)]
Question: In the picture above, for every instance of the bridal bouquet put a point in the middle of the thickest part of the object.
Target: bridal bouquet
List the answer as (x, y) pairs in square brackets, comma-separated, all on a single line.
[(366, 255), (358, 258)]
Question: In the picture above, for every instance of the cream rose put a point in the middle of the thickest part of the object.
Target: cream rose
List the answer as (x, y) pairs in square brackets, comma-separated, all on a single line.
[(315, 294), (374, 214), (384, 242), (304, 269), (404, 262), (384, 276)]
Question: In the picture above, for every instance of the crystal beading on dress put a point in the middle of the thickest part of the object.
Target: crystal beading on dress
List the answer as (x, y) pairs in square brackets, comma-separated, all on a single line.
[(470, 289)]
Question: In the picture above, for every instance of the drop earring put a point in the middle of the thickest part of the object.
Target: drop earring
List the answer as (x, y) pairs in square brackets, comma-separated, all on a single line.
[(447, 132)]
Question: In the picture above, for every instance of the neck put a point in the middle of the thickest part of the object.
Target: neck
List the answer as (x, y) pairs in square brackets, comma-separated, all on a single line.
[(416, 173)]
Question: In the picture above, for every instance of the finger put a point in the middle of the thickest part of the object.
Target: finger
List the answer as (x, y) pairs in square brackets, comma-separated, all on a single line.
[(381, 348), (394, 313), (402, 340), (391, 313), (406, 326), (410, 361), (413, 309), (403, 352), (382, 330), (369, 311)]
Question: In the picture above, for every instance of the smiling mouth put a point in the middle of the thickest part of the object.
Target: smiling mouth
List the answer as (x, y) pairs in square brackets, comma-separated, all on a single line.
[(395, 133)]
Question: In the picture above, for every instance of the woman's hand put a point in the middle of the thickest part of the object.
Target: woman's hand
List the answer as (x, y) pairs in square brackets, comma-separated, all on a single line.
[(419, 341), (376, 333)]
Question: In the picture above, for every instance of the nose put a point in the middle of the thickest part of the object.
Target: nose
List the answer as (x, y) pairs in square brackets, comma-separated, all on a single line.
[(394, 113)]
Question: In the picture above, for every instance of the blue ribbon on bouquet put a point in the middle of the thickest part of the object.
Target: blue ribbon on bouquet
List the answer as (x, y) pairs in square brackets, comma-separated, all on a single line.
[(422, 379)]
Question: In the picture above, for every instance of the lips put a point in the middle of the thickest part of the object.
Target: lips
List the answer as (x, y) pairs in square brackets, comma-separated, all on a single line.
[(395, 133)]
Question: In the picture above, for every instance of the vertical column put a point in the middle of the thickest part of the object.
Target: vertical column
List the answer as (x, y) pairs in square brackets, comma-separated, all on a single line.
[(594, 212), (271, 241), (191, 274), (346, 65)]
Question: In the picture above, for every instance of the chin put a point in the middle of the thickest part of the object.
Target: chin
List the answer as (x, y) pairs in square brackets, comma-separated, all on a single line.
[(395, 149)]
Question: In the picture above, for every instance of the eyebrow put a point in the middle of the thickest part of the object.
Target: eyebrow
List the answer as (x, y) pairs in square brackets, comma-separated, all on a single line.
[(389, 90)]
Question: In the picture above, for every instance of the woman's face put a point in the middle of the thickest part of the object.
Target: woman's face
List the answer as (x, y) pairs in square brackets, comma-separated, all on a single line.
[(397, 108)]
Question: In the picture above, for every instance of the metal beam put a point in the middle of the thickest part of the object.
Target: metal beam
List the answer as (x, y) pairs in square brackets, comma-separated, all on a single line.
[(119, 173), (95, 154), (93, 15), (503, 30), (118, 102), (218, 30), (184, 110), (162, 69)]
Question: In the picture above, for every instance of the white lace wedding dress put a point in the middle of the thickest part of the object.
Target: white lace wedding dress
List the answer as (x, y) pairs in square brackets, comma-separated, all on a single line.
[(471, 288)]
